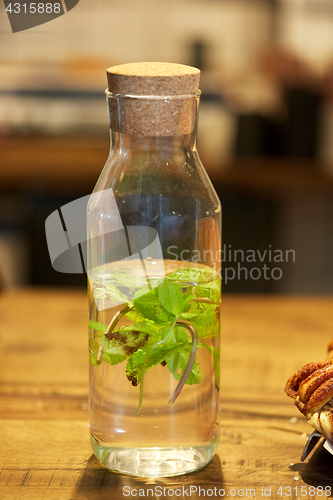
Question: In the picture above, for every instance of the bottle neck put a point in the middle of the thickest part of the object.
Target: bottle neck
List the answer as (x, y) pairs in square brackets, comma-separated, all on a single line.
[(123, 143), (153, 123)]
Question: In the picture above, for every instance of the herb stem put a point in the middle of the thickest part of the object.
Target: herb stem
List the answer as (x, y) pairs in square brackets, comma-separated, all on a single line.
[(204, 301), (191, 360), (100, 355), (169, 333), (116, 318)]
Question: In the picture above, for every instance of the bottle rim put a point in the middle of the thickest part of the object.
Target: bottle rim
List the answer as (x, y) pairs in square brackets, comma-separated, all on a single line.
[(196, 94)]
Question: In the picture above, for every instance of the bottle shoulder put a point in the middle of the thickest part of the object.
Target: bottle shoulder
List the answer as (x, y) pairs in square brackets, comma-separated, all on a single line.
[(154, 173)]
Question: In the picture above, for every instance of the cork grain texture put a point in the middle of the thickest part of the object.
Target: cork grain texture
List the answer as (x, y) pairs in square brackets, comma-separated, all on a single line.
[(134, 110), (153, 78)]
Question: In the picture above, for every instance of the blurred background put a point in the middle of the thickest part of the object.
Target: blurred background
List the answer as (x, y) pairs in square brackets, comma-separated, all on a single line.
[(265, 125)]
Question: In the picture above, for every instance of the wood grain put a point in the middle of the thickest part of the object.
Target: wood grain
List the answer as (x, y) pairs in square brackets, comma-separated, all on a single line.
[(44, 445)]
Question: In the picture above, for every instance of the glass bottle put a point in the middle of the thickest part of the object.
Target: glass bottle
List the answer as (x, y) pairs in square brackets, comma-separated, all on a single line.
[(154, 230)]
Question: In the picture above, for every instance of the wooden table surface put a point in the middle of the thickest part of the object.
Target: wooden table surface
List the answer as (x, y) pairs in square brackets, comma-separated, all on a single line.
[(44, 445)]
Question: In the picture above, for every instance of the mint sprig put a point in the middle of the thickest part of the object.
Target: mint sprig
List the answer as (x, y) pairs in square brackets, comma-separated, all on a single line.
[(172, 299), (166, 326)]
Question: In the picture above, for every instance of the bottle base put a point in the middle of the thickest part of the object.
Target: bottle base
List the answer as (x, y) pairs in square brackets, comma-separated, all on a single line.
[(154, 461)]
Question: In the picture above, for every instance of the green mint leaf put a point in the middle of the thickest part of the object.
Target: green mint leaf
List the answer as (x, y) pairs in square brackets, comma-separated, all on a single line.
[(189, 316), (167, 335), (191, 275), (178, 359), (211, 290), (146, 327), (113, 359), (172, 298), (143, 324), (106, 291), (177, 362), (98, 327), (124, 341), (149, 307), (207, 324), (135, 316), (187, 297), (111, 346), (134, 367), (118, 345)]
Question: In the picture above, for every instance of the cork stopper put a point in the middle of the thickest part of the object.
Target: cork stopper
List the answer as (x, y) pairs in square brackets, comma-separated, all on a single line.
[(153, 78), (134, 114)]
